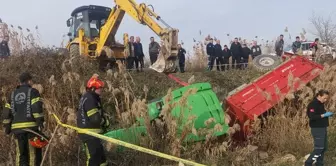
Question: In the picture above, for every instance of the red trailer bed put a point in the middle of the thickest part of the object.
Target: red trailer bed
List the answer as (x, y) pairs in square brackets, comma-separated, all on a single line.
[(262, 94)]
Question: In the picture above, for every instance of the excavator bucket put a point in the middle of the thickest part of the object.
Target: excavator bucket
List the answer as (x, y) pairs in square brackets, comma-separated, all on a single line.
[(166, 61)]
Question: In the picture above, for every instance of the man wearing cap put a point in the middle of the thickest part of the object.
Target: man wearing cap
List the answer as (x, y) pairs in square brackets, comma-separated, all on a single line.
[(91, 117), (24, 111)]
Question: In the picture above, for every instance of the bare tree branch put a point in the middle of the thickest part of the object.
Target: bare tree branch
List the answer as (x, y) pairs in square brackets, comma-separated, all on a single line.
[(325, 28)]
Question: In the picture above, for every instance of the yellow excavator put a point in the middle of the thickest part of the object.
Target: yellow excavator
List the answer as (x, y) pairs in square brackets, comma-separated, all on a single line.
[(93, 29)]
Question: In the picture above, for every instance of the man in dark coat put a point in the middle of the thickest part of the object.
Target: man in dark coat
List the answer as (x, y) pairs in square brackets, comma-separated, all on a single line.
[(246, 55), (296, 45), (181, 57), (226, 57), (219, 56), (236, 50), (279, 44), (210, 49), (139, 55)]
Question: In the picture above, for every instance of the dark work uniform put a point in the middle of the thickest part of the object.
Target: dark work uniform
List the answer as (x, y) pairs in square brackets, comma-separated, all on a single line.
[(255, 51), (318, 127), (210, 49), (24, 111), (90, 116), (139, 56), (219, 57), (236, 50), (226, 56), (246, 55), (181, 56)]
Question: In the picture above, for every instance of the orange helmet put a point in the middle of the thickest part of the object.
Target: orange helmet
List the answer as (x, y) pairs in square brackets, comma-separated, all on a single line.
[(95, 82), (38, 142)]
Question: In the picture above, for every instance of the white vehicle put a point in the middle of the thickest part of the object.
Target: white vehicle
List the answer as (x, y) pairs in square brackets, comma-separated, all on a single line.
[(307, 51)]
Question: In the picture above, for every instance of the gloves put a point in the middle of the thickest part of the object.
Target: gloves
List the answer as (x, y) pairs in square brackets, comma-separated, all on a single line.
[(328, 114)]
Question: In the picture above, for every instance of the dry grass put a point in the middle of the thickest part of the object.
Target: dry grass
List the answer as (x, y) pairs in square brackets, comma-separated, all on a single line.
[(61, 82)]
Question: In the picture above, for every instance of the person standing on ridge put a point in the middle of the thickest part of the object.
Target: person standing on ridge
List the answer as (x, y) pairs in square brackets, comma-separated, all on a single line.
[(4, 39), (219, 56), (296, 46), (181, 57), (318, 122), (226, 56), (255, 49), (139, 55), (23, 111), (279, 44), (246, 56), (91, 117), (154, 50), (236, 50), (210, 49)]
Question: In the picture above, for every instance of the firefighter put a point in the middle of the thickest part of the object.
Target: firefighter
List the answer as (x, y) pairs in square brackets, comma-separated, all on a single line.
[(24, 111), (181, 57), (210, 49), (255, 49), (91, 116), (318, 122)]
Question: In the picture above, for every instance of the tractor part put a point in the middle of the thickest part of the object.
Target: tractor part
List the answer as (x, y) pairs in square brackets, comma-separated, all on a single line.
[(266, 62), (203, 105), (256, 98)]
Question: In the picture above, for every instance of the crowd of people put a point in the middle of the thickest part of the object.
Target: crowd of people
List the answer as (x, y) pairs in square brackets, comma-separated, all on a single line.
[(239, 52)]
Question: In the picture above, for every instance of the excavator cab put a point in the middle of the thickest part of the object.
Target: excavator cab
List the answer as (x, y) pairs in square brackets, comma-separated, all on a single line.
[(90, 18)]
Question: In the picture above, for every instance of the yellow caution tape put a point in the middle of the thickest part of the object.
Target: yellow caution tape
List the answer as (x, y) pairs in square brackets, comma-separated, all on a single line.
[(128, 145)]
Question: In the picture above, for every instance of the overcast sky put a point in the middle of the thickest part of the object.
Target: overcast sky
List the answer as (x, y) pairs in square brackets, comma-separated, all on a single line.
[(242, 18)]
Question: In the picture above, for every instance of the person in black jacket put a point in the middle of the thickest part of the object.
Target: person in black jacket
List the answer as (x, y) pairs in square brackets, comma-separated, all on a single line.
[(318, 122), (181, 57), (296, 45), (236, 50), (226, 57), (219, 56), (246, 55), (210, 49), (4, 49), (24, 111), (91, 116), (139, 55), (255, 49)]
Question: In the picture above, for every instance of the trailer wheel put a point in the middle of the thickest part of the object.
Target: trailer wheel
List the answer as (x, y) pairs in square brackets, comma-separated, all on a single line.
[(266, 62), (74, 50)]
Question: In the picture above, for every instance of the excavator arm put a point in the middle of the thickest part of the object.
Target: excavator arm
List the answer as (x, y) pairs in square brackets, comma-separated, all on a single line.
[(146, 16)]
